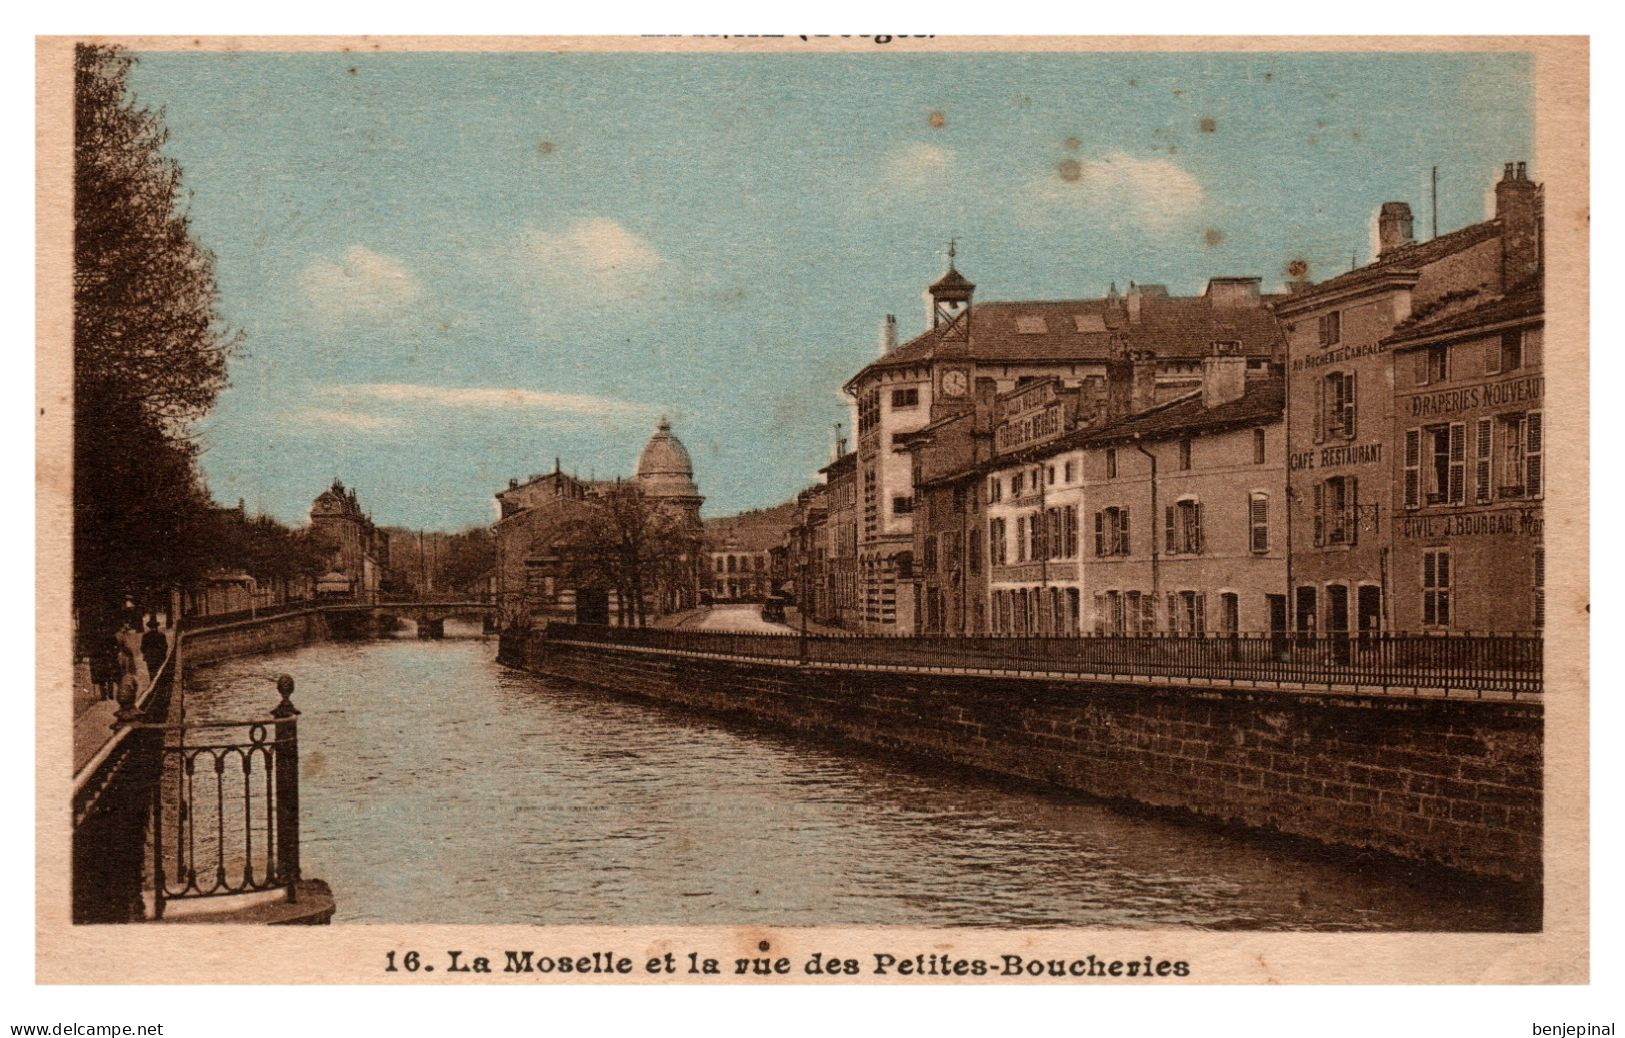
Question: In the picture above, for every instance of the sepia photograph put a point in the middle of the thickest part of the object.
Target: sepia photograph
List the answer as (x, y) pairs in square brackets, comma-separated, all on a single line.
[(873, 508)]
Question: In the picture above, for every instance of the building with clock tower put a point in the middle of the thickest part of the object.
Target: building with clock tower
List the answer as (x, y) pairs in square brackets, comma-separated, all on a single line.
[(931, 411)]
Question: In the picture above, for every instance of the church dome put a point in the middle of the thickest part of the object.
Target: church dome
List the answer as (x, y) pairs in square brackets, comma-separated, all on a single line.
[(664, 468)]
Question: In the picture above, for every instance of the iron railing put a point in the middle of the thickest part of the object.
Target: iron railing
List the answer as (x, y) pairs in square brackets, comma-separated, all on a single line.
[(226, 809), (1452, 664)]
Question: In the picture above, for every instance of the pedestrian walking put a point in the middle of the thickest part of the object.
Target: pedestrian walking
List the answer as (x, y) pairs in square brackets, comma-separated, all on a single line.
[(154, 649)]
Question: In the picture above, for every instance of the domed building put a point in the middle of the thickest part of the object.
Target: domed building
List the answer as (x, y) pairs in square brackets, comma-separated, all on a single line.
[(547, 523), (666, 474)]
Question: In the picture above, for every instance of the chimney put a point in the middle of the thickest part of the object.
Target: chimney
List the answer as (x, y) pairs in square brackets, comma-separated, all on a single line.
[(1224, 374), (888, 335), (1515, 198), (1393, 227), (1233, 291), (1143, 391), (1132, 300)]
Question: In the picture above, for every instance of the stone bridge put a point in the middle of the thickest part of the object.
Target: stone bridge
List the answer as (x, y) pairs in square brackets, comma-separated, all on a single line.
[(430, 615)]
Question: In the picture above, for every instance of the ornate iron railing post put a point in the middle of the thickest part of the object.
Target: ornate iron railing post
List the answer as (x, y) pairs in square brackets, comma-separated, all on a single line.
[(287, 786)]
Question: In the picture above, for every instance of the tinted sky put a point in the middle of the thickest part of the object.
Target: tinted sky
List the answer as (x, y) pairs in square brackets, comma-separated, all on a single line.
[(453, 268)]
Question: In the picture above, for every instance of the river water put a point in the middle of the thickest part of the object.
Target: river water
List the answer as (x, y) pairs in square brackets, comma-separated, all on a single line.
[(439, 787)]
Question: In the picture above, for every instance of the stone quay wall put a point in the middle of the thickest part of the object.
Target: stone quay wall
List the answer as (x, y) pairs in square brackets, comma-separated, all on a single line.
[(247, 637), (1446, 782)]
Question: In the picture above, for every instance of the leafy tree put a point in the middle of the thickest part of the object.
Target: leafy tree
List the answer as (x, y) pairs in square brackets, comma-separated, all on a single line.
[(627, 541), (150, 351)]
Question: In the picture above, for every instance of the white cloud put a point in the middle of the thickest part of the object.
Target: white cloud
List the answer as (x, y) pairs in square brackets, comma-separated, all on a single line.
[(348, 420), (481, 398), (595, 259), (918, 165), (1156, 194), (361, 284)]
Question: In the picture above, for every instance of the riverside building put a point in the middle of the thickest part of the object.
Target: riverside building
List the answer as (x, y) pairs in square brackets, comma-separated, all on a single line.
[(1390, 382), (1085, 345)]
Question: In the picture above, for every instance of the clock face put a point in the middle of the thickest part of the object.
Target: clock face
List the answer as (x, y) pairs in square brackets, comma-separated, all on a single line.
[(954, 383)]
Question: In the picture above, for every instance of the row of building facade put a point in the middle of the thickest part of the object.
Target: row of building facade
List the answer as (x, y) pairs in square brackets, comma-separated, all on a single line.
[(1357, 455)]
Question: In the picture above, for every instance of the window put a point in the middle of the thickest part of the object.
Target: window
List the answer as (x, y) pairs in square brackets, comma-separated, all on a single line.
[(1229, 614), (1436, 587), (903, 505), (1015, 484), (1182, 528), (1336, 510), (1505, 354), (1258, 446), (1335, 413), (733, 564), (1540, 589), (1111, 462), (720, 566), (1187, 613), (995, 490), (905, 398), (1021, 538), (1111, 532), (1331, 328), (1052, 475), (928, 563), (996, 544), (868, 411), (1433, 365), (1445, 447), (1036, 546), (975, 552), (1521, 454), (1071, 471), (1258, 522), (1185, 453)]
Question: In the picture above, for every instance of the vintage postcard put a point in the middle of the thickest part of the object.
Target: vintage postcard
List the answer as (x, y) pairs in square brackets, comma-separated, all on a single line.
[(813, 509)]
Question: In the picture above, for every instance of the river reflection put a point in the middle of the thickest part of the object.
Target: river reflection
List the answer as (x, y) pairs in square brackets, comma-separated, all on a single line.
[(438, 787)]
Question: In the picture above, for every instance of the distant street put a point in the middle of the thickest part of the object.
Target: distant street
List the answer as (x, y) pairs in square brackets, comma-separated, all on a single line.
[(746, 617)]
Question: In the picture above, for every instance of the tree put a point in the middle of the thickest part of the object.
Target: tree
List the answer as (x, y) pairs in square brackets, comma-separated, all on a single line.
[(625, 540), (466, 558), (150, 351)]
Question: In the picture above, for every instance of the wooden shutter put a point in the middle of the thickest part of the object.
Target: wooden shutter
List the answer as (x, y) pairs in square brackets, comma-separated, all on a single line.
[(1533, 437), (1413, 468), (1199, 614), (1421, 374), (1492, 357), (1196, 526), (1458, 464), (1173, 613), (1320, 409), (1351, 408), (1122, 531), (1100, 537), (1258, 520), (1168, 529), (1481, 459), (1320, 514), (1351, 494)]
